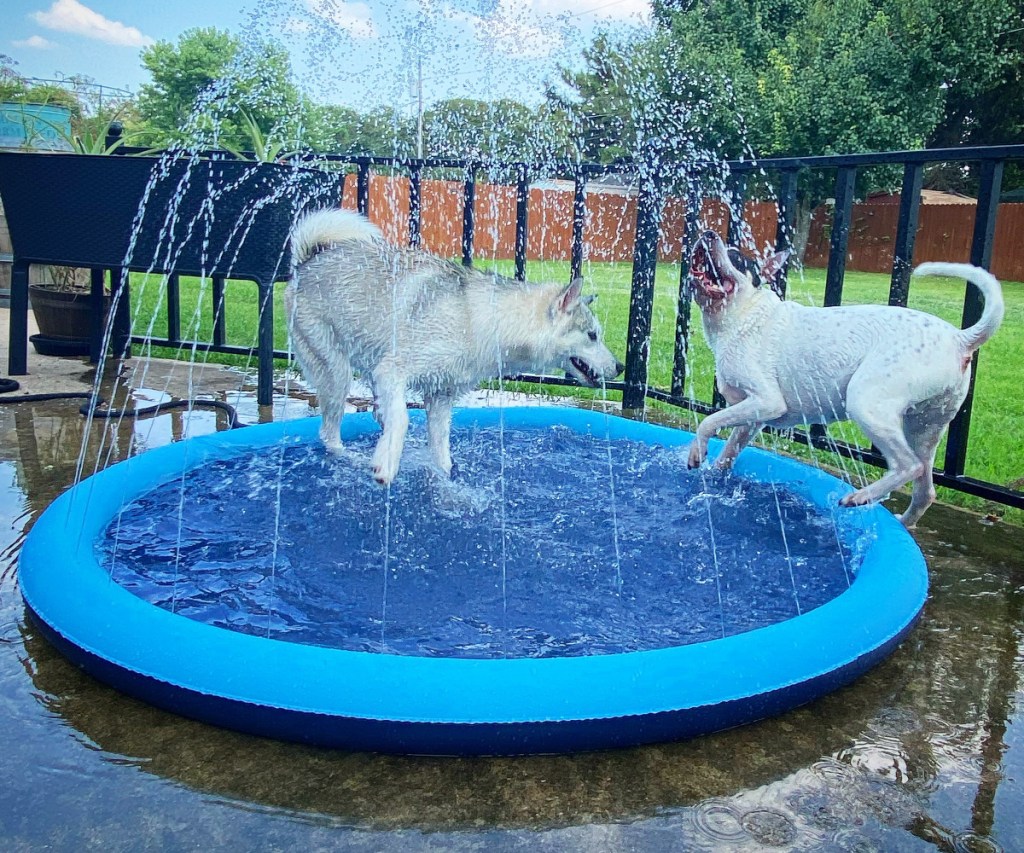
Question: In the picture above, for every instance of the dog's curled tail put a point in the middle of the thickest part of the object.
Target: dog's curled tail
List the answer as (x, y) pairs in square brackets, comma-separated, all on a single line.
[(318, 230), (992, 315)]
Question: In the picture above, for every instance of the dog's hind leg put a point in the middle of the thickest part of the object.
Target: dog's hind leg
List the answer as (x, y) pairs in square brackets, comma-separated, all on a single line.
[(879, 410), (923, 496), (328, 370), (395, 419), (333, 395), (439, 427), (924, 428)]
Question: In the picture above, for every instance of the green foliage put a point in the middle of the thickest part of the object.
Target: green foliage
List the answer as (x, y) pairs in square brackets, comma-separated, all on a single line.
[(209, 86), (502, 131), (671, 95), (828, 76), (257, 146), (478, 130)]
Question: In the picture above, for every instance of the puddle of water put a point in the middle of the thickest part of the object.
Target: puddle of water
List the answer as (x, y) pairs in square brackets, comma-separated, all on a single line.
[(925, 752)]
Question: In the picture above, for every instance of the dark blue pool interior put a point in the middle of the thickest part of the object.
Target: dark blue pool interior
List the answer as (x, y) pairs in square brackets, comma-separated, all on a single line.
[(524, 553)]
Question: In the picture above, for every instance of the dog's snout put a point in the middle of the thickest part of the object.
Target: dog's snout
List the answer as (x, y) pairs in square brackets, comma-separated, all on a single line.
[(619, 367)]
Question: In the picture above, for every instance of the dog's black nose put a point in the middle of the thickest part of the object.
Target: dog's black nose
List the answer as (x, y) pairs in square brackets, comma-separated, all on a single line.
[(619, 367)]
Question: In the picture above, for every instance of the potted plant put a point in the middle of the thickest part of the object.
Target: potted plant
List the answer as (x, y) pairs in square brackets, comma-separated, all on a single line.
[(62, 307)]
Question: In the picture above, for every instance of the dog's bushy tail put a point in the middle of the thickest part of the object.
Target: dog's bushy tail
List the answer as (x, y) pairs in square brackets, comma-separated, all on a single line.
[(321, 228), (992, 315)]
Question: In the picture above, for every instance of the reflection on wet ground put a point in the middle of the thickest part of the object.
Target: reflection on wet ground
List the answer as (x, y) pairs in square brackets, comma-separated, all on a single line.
[(925, 752)]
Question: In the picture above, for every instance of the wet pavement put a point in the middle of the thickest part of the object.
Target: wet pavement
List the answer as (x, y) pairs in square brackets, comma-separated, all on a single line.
[(925, 752)]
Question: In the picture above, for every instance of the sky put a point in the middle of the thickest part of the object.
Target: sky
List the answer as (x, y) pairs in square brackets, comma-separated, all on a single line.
[(360, 53)]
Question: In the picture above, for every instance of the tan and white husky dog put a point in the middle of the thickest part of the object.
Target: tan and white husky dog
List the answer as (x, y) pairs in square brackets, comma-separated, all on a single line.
[(409, 321)]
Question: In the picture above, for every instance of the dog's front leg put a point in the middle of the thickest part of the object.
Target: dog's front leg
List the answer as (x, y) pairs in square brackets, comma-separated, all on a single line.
[(439, 427), (395, 418), (748, 413), (739, 438)]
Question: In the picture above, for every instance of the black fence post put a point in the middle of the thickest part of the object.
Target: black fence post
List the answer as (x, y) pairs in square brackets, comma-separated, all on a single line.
[(265, 345), (846, 180), (737, 198), (363, 187), (114, 136), (785, 225), (522, 205), (174, 308), (468, 212), (906, 233), (415, 206), (579, 215), (685, 302), (17, 340), (97, 314), (121, 332), (641, 303), (981, 256), (219, 330)]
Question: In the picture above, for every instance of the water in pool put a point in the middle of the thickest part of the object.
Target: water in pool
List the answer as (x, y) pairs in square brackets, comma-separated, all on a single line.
[(531, 550)]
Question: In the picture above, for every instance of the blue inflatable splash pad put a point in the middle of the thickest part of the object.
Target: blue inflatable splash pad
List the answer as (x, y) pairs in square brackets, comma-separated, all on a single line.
[(573, 587)]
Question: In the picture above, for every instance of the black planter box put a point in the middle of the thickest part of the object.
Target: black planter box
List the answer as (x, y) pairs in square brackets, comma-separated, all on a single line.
[(189, 216)]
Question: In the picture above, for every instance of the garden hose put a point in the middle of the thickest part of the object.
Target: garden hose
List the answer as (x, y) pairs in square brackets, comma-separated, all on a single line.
[(93, 404)]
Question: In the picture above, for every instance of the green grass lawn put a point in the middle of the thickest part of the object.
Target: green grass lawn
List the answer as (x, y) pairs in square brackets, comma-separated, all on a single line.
[(995, 452)]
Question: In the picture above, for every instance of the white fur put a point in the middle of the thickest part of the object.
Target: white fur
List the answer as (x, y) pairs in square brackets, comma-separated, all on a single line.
[(410, 321), (900, 374), (324, 227)]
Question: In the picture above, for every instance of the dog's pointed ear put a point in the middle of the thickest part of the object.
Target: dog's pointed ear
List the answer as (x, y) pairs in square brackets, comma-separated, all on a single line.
[(774, 268), (566, 300)]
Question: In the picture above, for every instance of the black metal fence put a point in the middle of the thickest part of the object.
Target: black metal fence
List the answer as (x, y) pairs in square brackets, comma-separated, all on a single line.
[(776, 177)]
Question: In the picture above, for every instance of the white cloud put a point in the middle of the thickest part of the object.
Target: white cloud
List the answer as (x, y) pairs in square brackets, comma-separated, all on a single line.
[(354, 18), (35, 42), (70, 16), (536, 29)]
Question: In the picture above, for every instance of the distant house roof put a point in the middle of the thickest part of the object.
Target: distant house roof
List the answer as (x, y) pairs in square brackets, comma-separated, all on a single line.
[(610, 184), (927, 197)]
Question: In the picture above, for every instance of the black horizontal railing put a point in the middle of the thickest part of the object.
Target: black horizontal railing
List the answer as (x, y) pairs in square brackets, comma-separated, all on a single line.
[(774, 178)]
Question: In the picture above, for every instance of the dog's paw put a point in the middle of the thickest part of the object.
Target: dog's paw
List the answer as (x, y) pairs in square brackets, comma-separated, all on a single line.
[(384, 470), (861, 497), (335, 448), (695, 456)]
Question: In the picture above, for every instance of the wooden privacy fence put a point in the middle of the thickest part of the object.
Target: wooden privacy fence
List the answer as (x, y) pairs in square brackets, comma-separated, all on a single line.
[(608, 232), (944, 231)]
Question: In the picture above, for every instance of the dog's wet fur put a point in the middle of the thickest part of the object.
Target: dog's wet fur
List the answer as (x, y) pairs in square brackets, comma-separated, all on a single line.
[(900, 374), (408, 321)]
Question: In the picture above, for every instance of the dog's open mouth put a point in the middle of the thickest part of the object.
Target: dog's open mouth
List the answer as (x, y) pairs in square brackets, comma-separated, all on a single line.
[(585, 372), (704, 274)]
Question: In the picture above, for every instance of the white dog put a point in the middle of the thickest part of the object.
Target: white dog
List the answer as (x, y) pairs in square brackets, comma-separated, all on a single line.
[(410, 321), (901, 375)]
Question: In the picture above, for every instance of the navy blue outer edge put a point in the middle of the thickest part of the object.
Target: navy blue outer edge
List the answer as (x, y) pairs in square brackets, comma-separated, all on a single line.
[(407, 704)]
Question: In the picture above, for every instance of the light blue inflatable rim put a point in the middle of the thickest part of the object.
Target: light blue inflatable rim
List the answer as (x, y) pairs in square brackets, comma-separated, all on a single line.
[(451, 705)]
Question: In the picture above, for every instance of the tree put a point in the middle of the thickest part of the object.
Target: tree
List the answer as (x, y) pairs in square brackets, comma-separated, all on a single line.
[(669, 96), (202, 85), (801, 77), (466, 129)]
